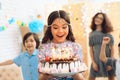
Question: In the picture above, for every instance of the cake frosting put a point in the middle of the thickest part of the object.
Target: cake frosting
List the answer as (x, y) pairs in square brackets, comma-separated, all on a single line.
[(61, 61)]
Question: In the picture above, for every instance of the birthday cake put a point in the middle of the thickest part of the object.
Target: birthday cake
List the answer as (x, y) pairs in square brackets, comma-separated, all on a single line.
[(61, 61)]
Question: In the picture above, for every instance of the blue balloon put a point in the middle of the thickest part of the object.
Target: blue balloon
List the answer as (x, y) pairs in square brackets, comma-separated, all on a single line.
[(12, 20), (36, 26), (1, 28)]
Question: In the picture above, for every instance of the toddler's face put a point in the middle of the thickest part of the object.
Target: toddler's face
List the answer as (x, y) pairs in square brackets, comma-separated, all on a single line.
[(59, 30), (30, 44)]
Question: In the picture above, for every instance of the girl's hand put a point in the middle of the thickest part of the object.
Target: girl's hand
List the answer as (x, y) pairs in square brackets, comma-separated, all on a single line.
[(105, 40), (78, 76), (108, 68), (95, 67), (48, 76), (45, 76)]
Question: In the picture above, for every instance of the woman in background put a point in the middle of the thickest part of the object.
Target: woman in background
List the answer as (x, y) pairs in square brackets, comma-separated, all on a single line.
[(101, 27)]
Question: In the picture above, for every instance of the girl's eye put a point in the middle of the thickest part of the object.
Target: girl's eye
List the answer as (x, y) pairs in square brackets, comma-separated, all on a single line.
[(65, 26), (55, 28)]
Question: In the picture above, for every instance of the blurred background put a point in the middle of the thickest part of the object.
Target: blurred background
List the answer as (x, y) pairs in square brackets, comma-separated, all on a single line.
[(18, 17)]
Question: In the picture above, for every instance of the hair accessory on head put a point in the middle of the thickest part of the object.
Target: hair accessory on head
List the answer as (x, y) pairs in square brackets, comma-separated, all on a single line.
[(48, 25)]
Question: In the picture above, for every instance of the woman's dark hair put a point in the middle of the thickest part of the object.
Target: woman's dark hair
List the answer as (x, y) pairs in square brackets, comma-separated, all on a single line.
[(54, 15), (106, 24), (35, 36)]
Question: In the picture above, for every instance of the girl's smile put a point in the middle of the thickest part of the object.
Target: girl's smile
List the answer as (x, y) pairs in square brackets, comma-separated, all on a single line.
[(59, 29)]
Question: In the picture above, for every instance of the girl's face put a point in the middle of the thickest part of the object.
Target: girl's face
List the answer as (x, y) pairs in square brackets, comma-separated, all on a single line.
[(30, 44), (59, 30), (99, 19)]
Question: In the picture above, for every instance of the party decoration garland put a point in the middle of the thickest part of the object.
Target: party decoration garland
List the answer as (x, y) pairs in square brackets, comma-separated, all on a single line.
[(2, 28), (35, 25)]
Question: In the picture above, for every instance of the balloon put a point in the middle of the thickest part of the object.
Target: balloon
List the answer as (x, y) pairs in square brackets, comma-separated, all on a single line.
[(36, 26), (18, 22), (22, 24), (12, 20), (1, 28)]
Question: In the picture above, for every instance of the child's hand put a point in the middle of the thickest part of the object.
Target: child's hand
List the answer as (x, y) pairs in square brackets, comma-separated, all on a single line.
[(78, 76), (48, 76), (95, 67), (108, 68), (105, 40), (45, 76)]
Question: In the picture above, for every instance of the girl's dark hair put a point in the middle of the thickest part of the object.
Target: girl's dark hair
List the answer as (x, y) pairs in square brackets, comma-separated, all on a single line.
[(35, 36), (54, 15), (106, 24), (119, 45)]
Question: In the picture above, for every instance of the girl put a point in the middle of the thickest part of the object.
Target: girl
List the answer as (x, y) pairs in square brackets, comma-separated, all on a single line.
[(101, 27), (27, 60), (59, 34)]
